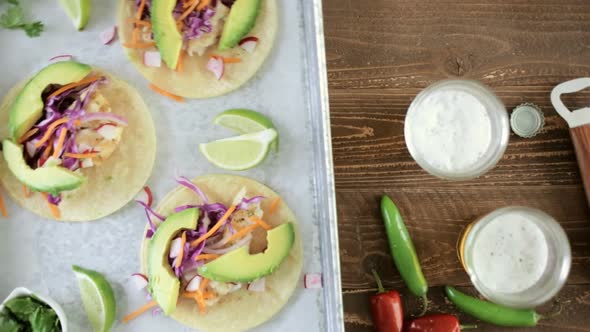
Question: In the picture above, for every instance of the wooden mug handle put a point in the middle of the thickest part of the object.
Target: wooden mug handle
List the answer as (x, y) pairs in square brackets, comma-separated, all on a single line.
[(581, 139)]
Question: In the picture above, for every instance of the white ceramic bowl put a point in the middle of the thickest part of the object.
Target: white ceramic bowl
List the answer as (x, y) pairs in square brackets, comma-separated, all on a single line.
[(21, 291), (500, 129)]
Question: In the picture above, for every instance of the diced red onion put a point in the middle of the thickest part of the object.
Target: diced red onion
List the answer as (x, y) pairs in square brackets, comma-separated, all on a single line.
[(190, 274), (84, 148), (102, 116), (31, 149), (157, 311), (249, 44), (313, 280), (152, 59), (216, 66), (242, 242), (108, 131), (139, 280), (258, 285), (175, 247), (107, 36), (194, 284), (62, 57), (87, 163)]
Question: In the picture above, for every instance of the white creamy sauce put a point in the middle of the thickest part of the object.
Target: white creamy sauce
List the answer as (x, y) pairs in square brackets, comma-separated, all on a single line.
[(451, 129), (510, 253)]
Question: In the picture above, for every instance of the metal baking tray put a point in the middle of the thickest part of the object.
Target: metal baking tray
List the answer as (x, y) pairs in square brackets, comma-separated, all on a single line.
[(291, 88)]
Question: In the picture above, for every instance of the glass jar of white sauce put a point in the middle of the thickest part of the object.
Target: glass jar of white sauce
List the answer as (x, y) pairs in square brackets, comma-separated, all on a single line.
[(457, 129), (516, 256)]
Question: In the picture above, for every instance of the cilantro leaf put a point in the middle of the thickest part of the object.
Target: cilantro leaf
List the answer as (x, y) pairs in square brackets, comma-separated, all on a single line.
[(14, 18), (33, 29)]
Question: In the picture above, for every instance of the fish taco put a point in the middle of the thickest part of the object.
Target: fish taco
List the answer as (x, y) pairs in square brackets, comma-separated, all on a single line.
[(78, 144), (197, 48), (219, 244)]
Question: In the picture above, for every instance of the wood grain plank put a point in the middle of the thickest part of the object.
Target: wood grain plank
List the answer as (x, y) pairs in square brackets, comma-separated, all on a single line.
[(575, 301), (381, 54)]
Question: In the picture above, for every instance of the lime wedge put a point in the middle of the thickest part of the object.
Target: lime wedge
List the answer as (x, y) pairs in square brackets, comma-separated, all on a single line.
[(78, 11), (245, 121), (241, 152), (98, 298)]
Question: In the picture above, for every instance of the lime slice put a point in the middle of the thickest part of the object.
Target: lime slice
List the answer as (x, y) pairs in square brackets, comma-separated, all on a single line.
[(241, 152), (98, 298), (78, 11), (245, 121)]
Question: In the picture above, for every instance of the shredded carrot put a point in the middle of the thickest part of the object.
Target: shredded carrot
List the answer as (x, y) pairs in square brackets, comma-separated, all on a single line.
[(28, 135), (54, 209), (140, 9), (139, 45), (199, 298), (274, 205), (47, 151), (139, 22), (188, 11), (181, 253), (203, 4), (214, 229), (26, 191), (140, 311), (232, 60), (135, 35), (209, 295), (189, 3), (188, 295), (226, 60), (242, 232), (203, 285), (201, 303), (3, 207), (50, 131), (260, 222), (73, 85), (60, 142), (205, 257), (179, 65), (81, 155), (167, 94)]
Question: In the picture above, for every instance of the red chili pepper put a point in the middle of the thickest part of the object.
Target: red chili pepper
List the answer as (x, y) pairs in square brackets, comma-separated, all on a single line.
[(386, 306), (436, 323)]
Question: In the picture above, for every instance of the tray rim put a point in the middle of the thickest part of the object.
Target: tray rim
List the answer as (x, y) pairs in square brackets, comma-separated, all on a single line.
[(324, 169)]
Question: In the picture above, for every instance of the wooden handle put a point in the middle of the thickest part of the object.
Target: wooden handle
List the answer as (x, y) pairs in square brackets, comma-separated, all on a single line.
[(581, 138)]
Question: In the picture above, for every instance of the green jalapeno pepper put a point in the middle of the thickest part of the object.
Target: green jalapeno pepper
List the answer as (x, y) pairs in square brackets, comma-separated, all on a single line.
[(493, 313), (402, 250)]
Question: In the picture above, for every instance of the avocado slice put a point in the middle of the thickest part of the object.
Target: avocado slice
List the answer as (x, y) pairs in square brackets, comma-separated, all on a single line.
[(27, 108), (166, 35), (240, 21), (163, 283), (51, 179), (240, 266)]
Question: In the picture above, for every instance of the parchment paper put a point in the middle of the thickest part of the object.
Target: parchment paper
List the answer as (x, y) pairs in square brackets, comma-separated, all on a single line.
[(38, 253)]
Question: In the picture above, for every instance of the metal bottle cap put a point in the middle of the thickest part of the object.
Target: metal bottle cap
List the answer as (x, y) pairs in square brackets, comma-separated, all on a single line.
[(527, 120)]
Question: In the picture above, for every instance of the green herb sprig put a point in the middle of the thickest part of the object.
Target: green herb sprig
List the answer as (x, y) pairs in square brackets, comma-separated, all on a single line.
[(14, 18)]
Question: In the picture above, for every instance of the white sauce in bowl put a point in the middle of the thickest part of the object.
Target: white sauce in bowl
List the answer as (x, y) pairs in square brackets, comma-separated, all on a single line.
[(510, 253), (451, 129)]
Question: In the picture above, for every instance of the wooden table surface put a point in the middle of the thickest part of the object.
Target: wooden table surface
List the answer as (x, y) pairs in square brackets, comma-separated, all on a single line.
[(381, 53)]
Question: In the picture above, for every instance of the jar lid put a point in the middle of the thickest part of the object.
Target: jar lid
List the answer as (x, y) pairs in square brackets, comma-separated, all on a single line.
[(527, 120)]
